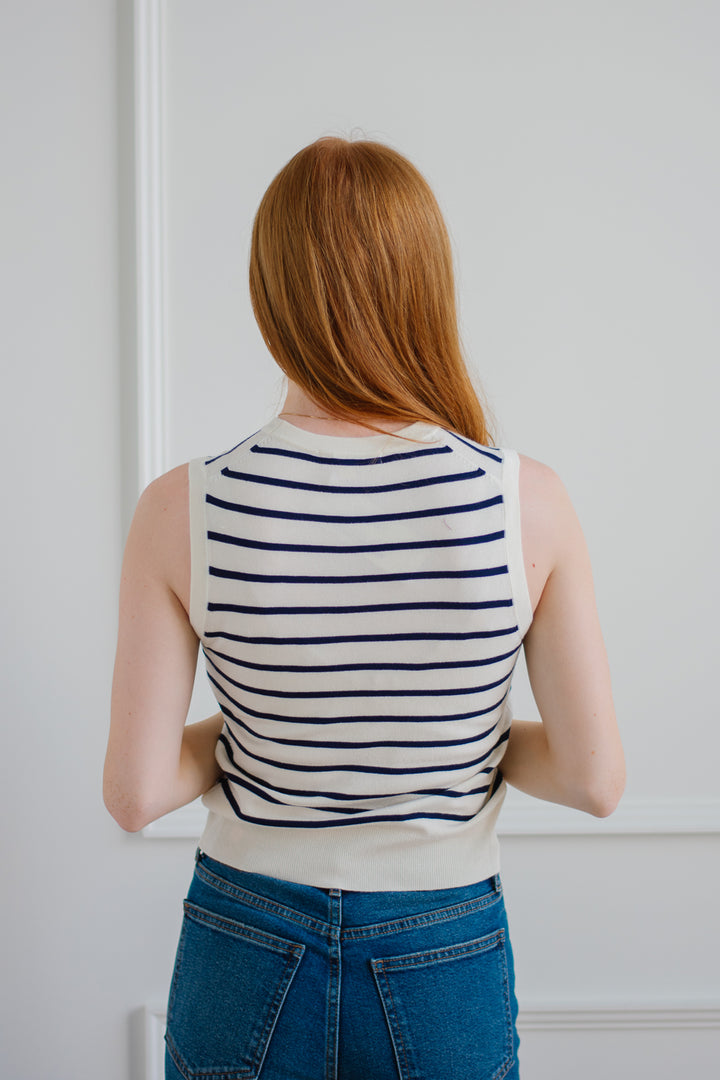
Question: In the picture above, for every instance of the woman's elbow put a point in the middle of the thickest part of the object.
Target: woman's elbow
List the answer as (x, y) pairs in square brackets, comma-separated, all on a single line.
[(131, 823), (604, 799), (129, 818), (128, 812), (603, 807)]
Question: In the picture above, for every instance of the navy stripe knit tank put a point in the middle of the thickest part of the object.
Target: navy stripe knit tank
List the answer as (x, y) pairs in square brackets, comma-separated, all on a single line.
[(361, 603)]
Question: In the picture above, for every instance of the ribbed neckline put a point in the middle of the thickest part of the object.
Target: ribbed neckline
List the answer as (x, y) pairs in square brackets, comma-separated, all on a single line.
[(349, 444)]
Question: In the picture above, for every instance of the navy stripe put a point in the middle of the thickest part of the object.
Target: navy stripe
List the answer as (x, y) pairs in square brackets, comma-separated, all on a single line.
[(368, 809), (347, 744), (225, 453), (345, 519), (304, 694), (395, 666), (445, 793), (263, 545), (260, 792), (350, 579), (350, 461), (241, 781), (332, 824), (405, 485), (496, 782), (338, 639), (225, 785), (378, 719), (377, 770), (476, 448), (358, 609)]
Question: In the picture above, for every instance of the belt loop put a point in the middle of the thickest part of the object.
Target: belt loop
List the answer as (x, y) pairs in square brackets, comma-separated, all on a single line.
[(335, 907)]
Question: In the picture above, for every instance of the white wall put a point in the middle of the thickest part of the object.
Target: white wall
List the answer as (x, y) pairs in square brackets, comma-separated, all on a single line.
[(89, 914), (574, 150)]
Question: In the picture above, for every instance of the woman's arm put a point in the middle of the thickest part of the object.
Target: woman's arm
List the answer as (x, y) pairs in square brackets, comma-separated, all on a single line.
[(154, 763), (574, 756)]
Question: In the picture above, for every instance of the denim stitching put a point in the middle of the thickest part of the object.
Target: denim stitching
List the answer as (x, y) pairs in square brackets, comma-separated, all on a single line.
[(504, 1069), (291, 951), (211, 1073), (178, 961), (404, 1070), (247, 933), (174, 1054), (449, 952), (334, 989), (428, 918), (430, 957), (261, 902), (333, 933)]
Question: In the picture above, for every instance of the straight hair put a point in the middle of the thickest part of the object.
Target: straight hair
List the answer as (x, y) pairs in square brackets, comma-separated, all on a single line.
[(352, 286)]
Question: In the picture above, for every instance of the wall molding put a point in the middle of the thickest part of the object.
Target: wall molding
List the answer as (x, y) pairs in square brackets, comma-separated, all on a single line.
[(184, 824), (531, 817), (153, 1049), (611, 1016), (635, 816), (620, 1016), (151, 255)]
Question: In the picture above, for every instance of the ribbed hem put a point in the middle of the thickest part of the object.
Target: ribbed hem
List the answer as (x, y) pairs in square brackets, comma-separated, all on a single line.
[(411, 856)]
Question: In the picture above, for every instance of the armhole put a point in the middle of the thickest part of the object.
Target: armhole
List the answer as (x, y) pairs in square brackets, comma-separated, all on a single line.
[(513, 536), (198, 546)]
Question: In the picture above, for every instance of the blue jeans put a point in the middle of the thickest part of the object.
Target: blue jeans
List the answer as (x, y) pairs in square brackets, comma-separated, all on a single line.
[(280, 981)]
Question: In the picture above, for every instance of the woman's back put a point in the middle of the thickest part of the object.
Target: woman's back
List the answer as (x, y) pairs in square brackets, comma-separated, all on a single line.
[(361, 603), (563, 645)]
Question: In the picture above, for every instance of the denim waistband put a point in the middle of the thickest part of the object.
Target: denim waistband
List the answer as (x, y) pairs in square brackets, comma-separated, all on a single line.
[(348, 909)]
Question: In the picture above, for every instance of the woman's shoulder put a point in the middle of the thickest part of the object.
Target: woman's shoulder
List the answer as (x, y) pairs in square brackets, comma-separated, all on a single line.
[(550, 528), (536, 478), (170, 485), (544, 499), (163, 506), (159, 535)]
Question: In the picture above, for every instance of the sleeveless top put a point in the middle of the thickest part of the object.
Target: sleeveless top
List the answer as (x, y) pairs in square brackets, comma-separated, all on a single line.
[(361, 603)]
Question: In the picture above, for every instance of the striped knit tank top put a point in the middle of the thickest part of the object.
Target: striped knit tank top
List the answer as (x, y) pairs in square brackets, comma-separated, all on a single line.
[(361, 603)]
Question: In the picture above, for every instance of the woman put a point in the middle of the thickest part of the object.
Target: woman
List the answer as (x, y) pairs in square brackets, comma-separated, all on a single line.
[(361, 573)]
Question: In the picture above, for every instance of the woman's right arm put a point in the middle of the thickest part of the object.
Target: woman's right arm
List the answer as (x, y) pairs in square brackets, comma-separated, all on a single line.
[(574, 756)]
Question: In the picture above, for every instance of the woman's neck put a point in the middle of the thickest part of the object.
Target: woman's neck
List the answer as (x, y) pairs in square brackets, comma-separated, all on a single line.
[(303, 412)]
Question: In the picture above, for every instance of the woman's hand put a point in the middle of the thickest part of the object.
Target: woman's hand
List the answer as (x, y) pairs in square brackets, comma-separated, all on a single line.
[(154, 763)]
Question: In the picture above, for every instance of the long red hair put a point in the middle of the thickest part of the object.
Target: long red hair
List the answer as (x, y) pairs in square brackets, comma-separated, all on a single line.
[(352, 285)]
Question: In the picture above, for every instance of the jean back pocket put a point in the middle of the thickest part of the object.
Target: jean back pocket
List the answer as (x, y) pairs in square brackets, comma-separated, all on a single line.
[(228, 986), (448, 1010)]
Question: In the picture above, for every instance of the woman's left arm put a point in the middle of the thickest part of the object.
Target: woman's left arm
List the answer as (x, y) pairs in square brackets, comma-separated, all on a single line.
[(154, 762)]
